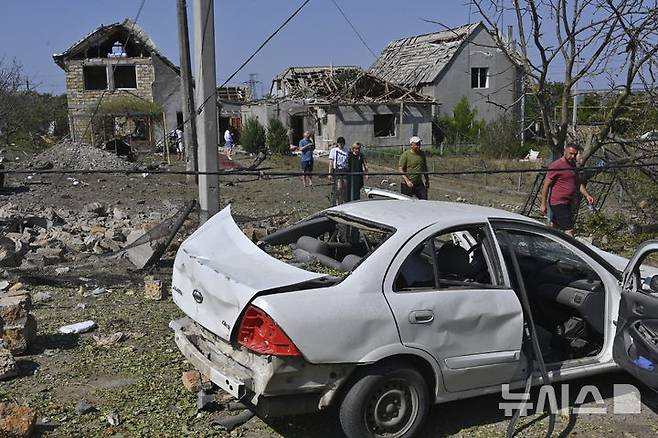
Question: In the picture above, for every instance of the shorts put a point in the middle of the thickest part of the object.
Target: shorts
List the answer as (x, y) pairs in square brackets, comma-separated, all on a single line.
[(180, 148), (229, 145), (307, 166), (418, 190), (562, 216)]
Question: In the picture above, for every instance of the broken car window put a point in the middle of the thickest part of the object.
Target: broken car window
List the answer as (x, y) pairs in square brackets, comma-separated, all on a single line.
[(332, 245)]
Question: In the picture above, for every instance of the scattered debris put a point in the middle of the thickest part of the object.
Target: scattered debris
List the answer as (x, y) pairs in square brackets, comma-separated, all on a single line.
[(16, 421), (41, 297), (62, 270), (79, 327), (83, 407), (230, 423), (203, 399), (4, 285), (82, 306), (113, 419), (8, 367), (18, 328), (153, 289), (194, 381), (99, 291), (107, 340)]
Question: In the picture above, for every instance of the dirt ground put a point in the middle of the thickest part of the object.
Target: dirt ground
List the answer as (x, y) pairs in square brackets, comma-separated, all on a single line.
[(138, 379)]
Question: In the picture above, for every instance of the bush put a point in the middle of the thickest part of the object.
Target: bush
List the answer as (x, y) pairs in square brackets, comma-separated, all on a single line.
[(252, 136), (461, 126), (277, 137), (500, 139)]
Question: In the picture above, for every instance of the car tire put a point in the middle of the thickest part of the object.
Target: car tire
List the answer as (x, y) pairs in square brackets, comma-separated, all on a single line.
[(388, 400)]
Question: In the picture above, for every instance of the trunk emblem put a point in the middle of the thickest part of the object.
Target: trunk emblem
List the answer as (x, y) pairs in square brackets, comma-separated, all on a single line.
[(197, 296)]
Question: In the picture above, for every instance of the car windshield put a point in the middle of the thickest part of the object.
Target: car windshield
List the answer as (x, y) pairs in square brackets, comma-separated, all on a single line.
[(331, 244)]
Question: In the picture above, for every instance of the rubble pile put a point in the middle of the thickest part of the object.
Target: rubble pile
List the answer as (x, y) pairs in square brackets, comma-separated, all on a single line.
[(56, 236), (69, 155)]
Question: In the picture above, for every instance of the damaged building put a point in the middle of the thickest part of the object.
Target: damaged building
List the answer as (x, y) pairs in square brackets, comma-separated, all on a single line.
[(451, 64), (344, 101), (229, 102), (117, 75)]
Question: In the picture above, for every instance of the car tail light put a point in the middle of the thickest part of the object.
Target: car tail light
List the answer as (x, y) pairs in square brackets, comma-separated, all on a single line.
[(259, 333)]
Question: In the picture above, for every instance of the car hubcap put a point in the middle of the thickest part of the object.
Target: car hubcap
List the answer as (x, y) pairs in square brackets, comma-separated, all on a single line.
[(392, 409)]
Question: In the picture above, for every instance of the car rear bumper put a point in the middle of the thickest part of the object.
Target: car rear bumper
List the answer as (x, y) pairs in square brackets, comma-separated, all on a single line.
[(271, 385)]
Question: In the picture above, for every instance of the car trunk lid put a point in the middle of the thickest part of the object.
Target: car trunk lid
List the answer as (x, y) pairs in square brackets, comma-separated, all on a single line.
[(218, 271)]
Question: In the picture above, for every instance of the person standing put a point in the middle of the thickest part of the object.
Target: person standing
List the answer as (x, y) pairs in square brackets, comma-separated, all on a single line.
[(180, 143), (337, 169), (412, 164), (306, 147), (357, 168), (563, 182), (229, 145)]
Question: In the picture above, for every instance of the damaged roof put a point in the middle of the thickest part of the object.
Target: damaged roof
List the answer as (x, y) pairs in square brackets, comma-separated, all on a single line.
[(103, 33), (342, 84), (419, 59), (234, 94)]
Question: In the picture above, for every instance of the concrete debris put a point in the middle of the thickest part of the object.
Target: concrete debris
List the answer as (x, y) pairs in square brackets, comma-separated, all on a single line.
[(194, 381), (41, 297), (153, 289), (4, 285), (113, 419), (16, 421), (62, 270), (203, 400), (83, 407), (98, 292), (69, 155), (8, 368), (95, 209), (140, 255), (18, 328), (108, 340), (79, 327)]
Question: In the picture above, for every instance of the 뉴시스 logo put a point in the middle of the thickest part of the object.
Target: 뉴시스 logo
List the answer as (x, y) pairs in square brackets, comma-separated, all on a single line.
[(626, 400)]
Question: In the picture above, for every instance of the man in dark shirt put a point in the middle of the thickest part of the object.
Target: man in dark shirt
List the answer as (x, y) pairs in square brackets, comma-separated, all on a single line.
[(562, 180)]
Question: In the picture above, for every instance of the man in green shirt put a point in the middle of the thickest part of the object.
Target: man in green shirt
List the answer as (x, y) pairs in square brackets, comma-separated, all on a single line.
[(412, 163)]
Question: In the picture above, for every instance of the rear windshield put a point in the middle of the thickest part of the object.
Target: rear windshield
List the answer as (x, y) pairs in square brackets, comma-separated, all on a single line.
[(329, 244)]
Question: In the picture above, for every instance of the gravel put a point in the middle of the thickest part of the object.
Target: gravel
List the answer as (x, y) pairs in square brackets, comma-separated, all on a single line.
[(69, 155)]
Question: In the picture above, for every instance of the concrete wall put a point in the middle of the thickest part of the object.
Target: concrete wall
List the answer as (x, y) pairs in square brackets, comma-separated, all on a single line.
[(167, 92), (82, 103), (455, 81), (354, 122)]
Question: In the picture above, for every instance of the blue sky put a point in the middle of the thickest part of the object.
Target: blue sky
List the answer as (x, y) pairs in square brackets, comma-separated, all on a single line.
[(32, 30)]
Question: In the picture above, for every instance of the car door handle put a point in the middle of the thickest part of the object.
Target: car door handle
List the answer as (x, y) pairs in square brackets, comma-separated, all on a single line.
[(421, 317)]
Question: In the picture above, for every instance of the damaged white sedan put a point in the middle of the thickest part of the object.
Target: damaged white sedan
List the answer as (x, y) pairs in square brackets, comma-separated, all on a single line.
[(384, 307)]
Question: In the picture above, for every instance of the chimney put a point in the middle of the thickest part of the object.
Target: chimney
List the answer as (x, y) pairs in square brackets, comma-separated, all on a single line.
[(511, 44)]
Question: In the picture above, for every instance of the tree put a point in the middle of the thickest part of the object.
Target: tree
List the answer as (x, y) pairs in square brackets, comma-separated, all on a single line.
[(252, 136), (277, 137), (582, 40), (500, 138), (461, 126)]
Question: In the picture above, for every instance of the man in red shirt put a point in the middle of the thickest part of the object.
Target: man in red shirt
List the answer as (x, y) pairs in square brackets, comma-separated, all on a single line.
[(563, 181)]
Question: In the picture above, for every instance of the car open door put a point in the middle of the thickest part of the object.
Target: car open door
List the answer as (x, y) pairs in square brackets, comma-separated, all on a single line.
[(635, 346)]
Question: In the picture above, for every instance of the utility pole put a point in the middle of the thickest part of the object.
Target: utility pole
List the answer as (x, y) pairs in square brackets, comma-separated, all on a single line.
[(204, 54), (189, 112)]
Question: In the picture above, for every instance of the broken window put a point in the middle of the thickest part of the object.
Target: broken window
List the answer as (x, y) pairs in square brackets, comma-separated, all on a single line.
[(480, 77), (330, 244), (125, 76), (384, 125), (95, 77)]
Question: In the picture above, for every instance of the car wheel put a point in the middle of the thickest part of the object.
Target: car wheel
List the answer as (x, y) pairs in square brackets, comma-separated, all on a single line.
[(386, 401)]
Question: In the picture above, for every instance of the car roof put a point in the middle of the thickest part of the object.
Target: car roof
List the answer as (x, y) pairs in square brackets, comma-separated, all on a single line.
[(416, 214)]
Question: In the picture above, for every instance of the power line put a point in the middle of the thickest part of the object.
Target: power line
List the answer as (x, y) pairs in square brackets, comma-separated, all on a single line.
[(354, 28)]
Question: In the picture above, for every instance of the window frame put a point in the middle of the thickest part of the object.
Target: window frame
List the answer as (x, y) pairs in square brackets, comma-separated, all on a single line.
[(490, 253), (476, 73), (393, 118), (86, 68), (114, 68)]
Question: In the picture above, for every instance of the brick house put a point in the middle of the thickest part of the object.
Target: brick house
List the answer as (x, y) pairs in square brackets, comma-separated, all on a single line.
[(120, 67)]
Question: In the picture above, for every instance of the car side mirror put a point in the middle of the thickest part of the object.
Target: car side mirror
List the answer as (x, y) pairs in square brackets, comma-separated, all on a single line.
[(653, 283)]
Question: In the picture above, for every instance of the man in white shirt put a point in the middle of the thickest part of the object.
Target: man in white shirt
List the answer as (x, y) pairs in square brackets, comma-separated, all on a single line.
[(180, 143), (337, 167), (228, 139)]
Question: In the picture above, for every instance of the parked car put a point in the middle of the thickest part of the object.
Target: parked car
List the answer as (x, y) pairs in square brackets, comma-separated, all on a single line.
[(384, 307)]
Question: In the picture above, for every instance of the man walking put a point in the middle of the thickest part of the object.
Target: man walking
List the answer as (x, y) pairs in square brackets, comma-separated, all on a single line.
[(562, 180), (412, 163), (180, 143), (229, 144)]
